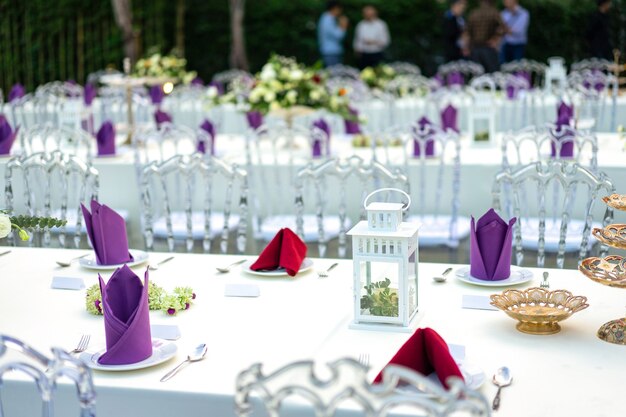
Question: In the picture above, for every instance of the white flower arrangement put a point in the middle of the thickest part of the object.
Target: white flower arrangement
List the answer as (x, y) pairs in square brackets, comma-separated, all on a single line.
[(169, 66)]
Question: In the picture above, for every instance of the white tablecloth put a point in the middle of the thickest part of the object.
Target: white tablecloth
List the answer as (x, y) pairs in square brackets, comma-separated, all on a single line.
[(571, 373)]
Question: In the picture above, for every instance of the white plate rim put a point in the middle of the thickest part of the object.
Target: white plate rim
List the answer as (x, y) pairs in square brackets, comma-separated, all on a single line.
[(307, 264), (525, 275), (89, 262), (91, 358)]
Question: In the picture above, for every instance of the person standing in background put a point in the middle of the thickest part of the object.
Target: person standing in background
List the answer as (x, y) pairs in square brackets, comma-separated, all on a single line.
[(331, 30), (599, 33), (485, 29), (453, 27), (371, 38), (516, 18)]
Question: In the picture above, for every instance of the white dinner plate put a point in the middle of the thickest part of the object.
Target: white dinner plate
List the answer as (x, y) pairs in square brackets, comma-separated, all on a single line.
[(162, 351), (280, 272), (518, 276), (473, 374), (89, 262)]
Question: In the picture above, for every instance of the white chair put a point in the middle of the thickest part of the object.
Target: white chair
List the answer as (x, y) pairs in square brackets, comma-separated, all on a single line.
[(192, 198), (45, 371), (546, 190), (326, 194), (53, 185), (347, 384)]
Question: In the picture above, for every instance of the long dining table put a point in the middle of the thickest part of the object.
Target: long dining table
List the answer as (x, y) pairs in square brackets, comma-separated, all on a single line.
[(571, 373)]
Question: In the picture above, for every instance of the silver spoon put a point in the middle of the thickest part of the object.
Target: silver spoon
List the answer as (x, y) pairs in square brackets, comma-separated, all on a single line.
[(443, 278), (158, 264), (68, 263), (197, 355), (229, 267), (502, 378)]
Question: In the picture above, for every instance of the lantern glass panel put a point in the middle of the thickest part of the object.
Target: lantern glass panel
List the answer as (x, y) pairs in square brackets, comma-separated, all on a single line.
[(379, 288), (412, 281)]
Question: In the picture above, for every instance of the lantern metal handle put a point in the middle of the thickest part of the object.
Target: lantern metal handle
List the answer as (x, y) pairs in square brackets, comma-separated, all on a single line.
[(408, 197)]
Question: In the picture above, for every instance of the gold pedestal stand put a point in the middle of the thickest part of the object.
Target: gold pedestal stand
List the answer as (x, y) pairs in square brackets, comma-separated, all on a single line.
[(610, 270)]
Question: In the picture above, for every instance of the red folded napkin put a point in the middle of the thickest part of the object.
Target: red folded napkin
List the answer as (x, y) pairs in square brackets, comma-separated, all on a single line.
[(286, 250), (426, 352)]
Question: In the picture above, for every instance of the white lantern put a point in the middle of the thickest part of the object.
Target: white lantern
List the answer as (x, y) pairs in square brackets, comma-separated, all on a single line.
[(482, 118), (556, 75), (385, 255)]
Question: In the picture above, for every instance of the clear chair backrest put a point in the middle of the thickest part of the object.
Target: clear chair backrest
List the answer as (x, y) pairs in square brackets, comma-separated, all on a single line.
[(533, 144), (467, 68), (187, 105), (547, 191), (405, 68), (17, 357), (22, 111), (48, 138), (351, 180), (535, 69), (346, 384), (355, 89), (408, 85), (591, 89), (273, 154), (598, 64), (226, 78), (343, 71), (52, 185), (485, 83), (195, 184), (114, 107)]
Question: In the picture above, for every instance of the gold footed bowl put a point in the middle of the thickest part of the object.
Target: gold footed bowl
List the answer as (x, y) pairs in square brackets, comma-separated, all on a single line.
[(613, 331), (539, 310), (613, 235)]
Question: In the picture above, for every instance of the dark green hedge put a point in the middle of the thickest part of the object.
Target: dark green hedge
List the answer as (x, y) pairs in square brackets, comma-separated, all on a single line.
[(42, 40)]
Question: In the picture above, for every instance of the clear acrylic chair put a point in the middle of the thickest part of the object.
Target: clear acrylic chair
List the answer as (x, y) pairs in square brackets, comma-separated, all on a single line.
[(52, 185), (60, 103), (187, 105), (114, 107), (467, 69), (546, 191), (191, 198), (47, 374), (435, 180), (49, 138), (536, 70), (345, 383), (322, 215), (516, 105), (592, 89), (405, 68), (343, 71), (598, 64), (274, 154)]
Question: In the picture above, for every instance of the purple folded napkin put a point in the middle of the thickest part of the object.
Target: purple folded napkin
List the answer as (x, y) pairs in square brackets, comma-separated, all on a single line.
[(105, 139), (209, 128), (107, 233), (455, 78), (594, 80), (199, 82), (424, 131), (219, 86), (491, 241), (449, 118), (156, 94), (161, 117), (7, 136), (90, 92), (255, 119), (511, 91), (352, 127), (126, 318), (563, 134), (17, 91), (525, 75), (317, 144)]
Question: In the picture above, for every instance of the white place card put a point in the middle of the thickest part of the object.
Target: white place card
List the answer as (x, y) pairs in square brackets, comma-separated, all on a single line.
[(67, 283), (477, 302), (242, 290), (165, 331)]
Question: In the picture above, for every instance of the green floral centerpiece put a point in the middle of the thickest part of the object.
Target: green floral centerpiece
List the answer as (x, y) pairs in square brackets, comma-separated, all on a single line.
[(9, 223), (158, 299), (377, 77), (164, 66), (380, 299), (285, 84)]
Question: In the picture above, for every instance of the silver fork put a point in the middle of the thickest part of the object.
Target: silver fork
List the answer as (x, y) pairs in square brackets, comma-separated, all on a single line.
[(83, 343), (364, 359), (545, 284), (324, 274)]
